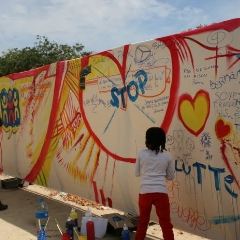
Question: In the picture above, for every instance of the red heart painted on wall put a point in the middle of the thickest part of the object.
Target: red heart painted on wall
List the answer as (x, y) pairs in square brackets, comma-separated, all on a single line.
[(222, 129)]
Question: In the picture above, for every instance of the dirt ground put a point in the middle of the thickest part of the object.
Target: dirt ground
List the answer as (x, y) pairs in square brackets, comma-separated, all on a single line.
[(18, 221)]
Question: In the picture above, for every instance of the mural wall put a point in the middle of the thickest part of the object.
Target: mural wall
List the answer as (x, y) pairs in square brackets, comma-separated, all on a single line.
[(77, 125)]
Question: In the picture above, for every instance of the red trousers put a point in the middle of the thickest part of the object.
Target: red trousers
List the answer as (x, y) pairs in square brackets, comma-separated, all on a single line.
[(162, 206)]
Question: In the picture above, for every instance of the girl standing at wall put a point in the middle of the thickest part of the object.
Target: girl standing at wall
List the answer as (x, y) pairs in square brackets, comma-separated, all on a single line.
[(154, 166)]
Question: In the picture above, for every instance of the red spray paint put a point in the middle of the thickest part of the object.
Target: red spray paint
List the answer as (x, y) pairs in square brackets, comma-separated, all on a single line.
[(90, 230)]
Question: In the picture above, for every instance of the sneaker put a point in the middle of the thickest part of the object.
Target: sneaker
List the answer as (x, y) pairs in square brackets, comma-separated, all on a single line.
[(3, 207)]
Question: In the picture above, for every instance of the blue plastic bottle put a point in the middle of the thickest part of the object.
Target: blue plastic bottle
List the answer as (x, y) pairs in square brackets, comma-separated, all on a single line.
[(41, 234), (41, 213), (125, 232)]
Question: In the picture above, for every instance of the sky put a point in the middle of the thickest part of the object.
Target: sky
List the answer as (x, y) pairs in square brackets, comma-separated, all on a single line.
[(101, 25)]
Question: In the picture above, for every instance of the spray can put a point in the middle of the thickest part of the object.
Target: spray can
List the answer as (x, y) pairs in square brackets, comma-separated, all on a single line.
[(125, 232), (69, 228), (90, 229)]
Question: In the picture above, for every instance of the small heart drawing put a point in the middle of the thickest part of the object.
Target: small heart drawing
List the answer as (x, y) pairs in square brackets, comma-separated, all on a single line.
[(193, 113), (222, 128)]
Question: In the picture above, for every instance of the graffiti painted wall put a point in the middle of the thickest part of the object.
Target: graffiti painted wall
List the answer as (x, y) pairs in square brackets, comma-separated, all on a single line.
[(77, 125)]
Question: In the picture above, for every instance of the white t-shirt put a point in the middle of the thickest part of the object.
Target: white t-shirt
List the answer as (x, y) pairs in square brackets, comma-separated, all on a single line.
[(153, 169)]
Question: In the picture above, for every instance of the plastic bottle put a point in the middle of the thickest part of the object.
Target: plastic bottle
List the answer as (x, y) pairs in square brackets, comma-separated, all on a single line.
[(41, 213), (69, 228), (125, 232), (41, 234), (74, 217), (90, 229), (88, 213)]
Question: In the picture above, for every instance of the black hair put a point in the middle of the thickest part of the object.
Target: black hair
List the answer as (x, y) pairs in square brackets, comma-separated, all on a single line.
[(155, 139)]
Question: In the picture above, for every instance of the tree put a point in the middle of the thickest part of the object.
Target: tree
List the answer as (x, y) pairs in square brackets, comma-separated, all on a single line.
[(42, 53)]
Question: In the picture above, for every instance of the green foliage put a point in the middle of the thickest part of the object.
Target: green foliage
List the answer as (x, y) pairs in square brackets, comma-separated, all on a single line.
[(42, 53), (199, 26)]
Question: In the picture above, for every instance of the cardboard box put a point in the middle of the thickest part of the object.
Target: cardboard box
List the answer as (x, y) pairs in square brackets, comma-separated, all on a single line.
[(11, 183), (117, 220)]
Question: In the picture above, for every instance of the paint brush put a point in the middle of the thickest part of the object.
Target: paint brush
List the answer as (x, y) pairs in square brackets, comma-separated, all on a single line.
[(75, 230), (46, 224), (39, 224), (58, 227)]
